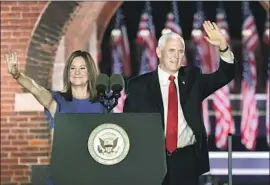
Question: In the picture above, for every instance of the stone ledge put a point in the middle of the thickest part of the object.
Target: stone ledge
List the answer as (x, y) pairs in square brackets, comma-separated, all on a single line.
[(26, 102)]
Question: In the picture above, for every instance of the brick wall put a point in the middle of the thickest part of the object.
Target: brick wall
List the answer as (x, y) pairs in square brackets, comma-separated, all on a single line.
[(34, 30), (18, 129), (100, 15)]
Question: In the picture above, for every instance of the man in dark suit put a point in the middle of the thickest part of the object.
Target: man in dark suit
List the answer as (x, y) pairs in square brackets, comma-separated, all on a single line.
[(177, 93)]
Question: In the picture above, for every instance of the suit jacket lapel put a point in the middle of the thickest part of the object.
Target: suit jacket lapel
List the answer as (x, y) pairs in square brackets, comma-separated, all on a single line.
[(183, 85), (157, 96)]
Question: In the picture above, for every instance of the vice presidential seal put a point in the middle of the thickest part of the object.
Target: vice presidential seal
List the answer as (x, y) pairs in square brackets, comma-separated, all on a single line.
[(108, 144)]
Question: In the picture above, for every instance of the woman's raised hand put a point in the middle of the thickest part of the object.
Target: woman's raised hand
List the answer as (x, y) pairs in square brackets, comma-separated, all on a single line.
[(12, 62)]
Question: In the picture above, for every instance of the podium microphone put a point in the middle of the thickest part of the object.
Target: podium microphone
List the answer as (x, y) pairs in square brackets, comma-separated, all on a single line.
[(117, 84), (102, 86)]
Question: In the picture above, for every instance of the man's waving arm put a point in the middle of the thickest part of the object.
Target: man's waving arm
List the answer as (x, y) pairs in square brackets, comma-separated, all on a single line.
[(227, 66)]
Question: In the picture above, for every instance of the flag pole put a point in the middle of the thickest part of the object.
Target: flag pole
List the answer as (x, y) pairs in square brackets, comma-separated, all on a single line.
[(230, 158)]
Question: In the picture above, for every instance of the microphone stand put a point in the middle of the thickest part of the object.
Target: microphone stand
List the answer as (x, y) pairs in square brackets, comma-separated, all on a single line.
[(102, 98), (109, 102), (113, 101)]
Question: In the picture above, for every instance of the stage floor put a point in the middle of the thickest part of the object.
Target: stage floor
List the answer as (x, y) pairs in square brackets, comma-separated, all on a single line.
[(243, 163)]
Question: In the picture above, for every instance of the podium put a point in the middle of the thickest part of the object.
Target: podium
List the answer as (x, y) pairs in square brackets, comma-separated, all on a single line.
[(108, 149)]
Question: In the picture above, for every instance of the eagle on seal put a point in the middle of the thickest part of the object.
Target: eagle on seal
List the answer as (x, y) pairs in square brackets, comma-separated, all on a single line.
[(107, 145)]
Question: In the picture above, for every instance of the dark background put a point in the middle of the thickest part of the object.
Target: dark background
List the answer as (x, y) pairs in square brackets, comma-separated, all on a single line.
[(132, 11)]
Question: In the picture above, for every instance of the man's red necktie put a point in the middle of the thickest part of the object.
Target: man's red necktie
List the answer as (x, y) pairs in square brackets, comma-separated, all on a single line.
[(172, 118)]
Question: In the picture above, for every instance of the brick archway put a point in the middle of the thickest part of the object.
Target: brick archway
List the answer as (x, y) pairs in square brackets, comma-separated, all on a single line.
[(75, 22)]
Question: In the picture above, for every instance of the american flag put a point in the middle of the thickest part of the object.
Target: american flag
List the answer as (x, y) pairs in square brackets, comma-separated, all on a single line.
[(266, 41), (221, 98), (147, 38), (120, 54), (173, 24), (249, 122), (201, 56)]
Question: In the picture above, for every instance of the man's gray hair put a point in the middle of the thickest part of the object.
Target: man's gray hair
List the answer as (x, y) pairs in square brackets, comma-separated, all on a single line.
[(162, 40)]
